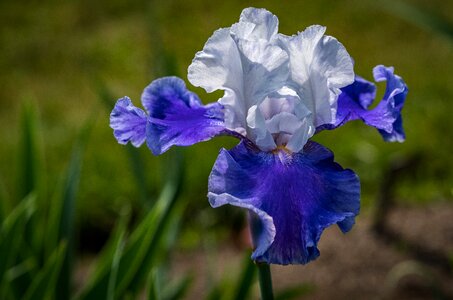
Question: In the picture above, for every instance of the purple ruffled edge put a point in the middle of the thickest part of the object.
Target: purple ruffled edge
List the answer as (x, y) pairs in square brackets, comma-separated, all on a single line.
[(355, 99), (175, 116)]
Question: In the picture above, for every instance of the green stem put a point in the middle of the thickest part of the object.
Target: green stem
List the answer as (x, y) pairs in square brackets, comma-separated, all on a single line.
[(265, 279)]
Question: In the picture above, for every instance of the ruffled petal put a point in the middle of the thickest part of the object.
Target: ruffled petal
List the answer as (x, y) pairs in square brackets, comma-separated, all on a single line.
[(265, 24), (258, 131), (395, 96), (177, 117), (320, 66), (128, 122), (243, 62), (355, 99), (302, 193), (218, 65)]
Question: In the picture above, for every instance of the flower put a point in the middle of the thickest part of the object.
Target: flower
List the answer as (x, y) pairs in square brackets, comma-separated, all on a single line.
[(278, 92)]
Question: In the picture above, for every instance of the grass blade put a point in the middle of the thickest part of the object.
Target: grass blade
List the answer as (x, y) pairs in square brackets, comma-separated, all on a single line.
[(246, 279), (12, 231), (4, 201), (178, 290), (44, 284), (152, 286), (106, 257), (135, 159), (29, 159), (141, 250), (116, 258), (66, 220), (32, 174)]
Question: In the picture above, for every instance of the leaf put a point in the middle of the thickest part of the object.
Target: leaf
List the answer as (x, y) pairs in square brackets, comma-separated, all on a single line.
[(135, 159), (20, 269), (246, 279), (4, 200), (66, 215), (106, 257), (215, 293), (140, 252), (178, 290), (12, 231), (116, 261), (32, 174), (136, 164), (152, 286), (30, 164), (44, 284)]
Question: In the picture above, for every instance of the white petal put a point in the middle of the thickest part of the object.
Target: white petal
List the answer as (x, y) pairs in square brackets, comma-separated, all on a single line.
[(257, 130), (246, 70), (265, 24), (218, 65), (300, 137), (283, 122), (265, 69), (320, 66), (235, 114)]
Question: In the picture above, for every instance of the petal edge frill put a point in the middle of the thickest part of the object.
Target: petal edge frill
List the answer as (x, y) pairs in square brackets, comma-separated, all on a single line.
[(177, 116), (128, 123), (355, 99), (302, 193)]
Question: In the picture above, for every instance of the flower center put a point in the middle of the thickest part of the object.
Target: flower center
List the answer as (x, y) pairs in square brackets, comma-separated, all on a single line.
[(283, 154), (281, 148)]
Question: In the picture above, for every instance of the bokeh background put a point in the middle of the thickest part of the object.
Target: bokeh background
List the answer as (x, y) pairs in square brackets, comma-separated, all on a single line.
[(66, 62)]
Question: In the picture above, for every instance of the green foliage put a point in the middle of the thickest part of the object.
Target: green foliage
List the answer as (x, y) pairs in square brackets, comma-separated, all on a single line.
[(131, 266), (44, 284), (89, 51), (11, 239), (45, 270)]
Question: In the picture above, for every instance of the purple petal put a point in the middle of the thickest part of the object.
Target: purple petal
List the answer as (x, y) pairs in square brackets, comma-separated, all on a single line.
[(177, 116), (128, 122), (292, 198), (355, 99), (395, 96)]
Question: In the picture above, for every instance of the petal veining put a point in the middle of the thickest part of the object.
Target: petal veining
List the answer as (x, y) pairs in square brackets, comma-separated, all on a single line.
[(355, 99), (128, 122), (320, 66), (302, 193), (177, 117)]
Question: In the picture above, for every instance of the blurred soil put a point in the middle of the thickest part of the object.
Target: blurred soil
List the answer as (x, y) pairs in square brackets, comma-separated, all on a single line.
[(358, 265)]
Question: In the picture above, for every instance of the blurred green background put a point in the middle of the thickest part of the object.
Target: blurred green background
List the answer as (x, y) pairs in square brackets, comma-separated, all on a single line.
[(64, 57)]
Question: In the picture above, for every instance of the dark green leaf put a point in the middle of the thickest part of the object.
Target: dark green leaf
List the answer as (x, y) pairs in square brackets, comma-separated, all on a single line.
[(115, 263), (152, 286), (178, 290), (66, 221), (246, 279), (12, 231), (32, 174), (135, 159), (140, 252), (44, 284), (29, 159), (106, 257)]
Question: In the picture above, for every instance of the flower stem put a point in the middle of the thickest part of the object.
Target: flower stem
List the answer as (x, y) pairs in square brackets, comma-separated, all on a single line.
[(265, 279)]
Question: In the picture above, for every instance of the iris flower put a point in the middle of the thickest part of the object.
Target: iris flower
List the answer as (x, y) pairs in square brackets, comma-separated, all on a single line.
[(278, 92)]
